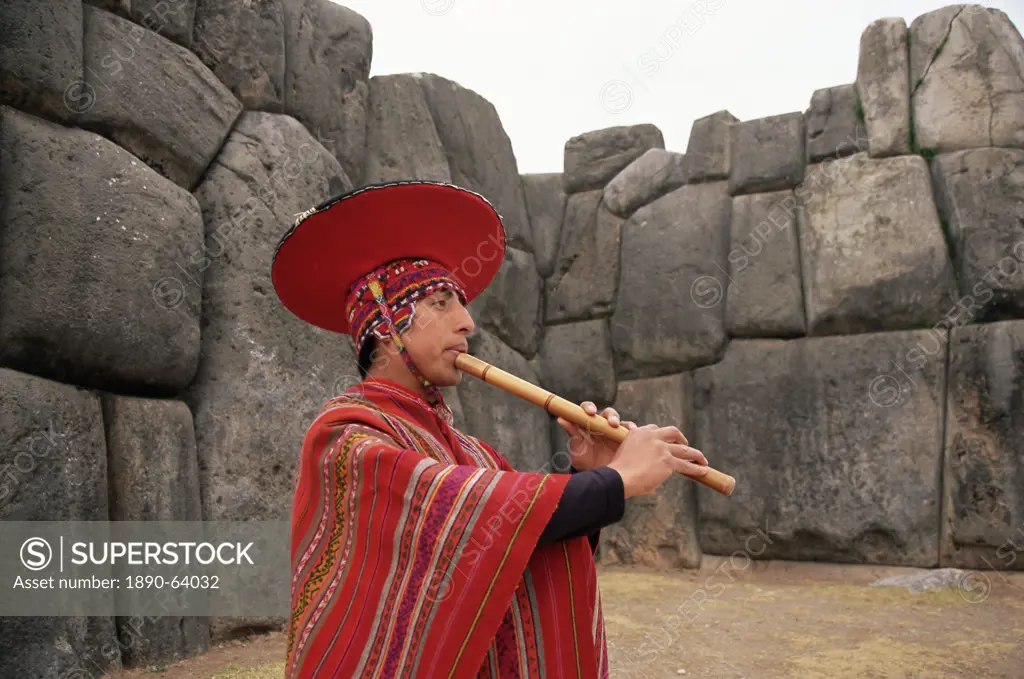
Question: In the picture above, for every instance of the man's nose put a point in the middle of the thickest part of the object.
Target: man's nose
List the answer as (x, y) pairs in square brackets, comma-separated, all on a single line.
[(466, 324)]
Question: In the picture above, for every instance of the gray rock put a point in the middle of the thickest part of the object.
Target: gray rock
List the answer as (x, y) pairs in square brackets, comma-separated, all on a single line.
[(479, 152), (834, 127), (401, 138), (154, 98), (270, 370), (244, 45), (980, 196), (41, 58), (593, 158), (658, 530), (872, 249), (510, 306), (708, 156), (577, 362), (97, 255), (925, 581), (768, 154), (835, 452), (650, 176), (583, 283), (53, 457), (171, 19), (545, 202), (764, 296), (328, 50), (670, 311), (966, 66), (883, 74), (512, 426), (154, 476), (983, 479)]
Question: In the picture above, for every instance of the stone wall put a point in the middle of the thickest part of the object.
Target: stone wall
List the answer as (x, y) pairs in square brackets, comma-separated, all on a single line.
[(830, 303)]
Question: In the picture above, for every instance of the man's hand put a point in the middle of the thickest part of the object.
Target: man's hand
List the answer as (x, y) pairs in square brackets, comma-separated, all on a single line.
[(589, 450)]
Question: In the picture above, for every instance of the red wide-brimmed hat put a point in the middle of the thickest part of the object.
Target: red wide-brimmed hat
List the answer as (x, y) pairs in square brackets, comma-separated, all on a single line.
[(332, 245)]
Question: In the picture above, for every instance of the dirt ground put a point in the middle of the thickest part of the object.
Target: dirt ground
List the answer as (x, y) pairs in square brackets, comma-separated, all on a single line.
[(762, 620)]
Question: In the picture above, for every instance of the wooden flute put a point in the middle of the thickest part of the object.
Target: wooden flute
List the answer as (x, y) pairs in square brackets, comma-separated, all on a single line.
[(572, 412)]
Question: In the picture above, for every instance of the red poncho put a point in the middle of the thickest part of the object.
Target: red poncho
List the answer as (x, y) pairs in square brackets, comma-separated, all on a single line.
[(413, 554)]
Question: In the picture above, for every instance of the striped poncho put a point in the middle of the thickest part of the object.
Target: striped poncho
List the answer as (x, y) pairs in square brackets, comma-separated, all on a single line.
[(414, 554)]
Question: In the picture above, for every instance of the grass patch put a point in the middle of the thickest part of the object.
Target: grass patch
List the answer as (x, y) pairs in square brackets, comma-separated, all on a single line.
[(273, 670), (858, 107)]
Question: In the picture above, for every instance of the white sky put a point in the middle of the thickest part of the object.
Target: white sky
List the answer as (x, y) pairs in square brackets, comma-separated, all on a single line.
[(544, 64)]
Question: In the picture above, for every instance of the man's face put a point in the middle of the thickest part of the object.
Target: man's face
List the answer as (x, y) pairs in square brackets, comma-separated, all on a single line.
[(437, 334)]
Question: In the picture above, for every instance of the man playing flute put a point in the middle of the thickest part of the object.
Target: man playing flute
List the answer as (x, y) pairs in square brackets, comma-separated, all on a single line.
[(417, 550)]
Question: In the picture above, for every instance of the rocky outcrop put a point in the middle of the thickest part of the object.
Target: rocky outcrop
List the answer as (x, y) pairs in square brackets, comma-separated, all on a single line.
[(874, 256), (980, 197), (593, 158), (826, 469), (153, 97), (670, 311), (545, 202), (116, 305), (650, 176), (835, 124), (883, 83), (708, 153), (966, 79), (767, 154), (983, 488), (583, 283)]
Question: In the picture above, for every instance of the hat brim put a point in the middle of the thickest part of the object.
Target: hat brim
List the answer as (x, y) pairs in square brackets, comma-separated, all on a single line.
[(333, 244)]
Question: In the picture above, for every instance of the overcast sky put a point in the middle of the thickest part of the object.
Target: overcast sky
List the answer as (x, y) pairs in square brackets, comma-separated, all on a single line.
[(557, 68)]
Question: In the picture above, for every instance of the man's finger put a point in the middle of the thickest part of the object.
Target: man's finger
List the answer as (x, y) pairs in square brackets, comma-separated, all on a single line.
[(629, 425), (684, 452), (589, 407), (688, 468), (612, 416), (672, 434)]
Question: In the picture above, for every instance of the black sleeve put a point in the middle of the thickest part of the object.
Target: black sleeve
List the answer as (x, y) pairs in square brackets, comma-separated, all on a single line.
[(592, 500)]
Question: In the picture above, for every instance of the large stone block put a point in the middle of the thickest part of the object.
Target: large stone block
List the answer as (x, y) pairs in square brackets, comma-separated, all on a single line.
[(154, 476), (708, 156), (545, 202), (514, 427), (650, 176), (510, 306), (980, 196), (883, 81), (983, 480), (328, 50), (834, 125), (264, 372), (577, 361), (41, 58), (401, 138), (836, 454), (244, 45), (53, 467), (172, 19), (153, 97), (767, 154), (583, 283), (765, 297), (479, 152), (593, 158), (658, 530), (92, 246), (966, 66), (873, 252), (670, 311)]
